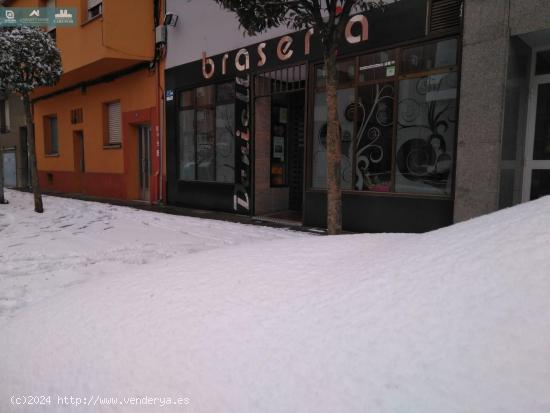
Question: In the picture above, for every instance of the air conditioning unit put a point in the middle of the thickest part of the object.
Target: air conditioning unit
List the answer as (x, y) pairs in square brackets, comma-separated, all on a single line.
[(160, 34)]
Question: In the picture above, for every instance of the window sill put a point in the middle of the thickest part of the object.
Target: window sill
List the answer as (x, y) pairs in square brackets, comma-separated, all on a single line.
[(84, 23), (52, 155), (113, 146)]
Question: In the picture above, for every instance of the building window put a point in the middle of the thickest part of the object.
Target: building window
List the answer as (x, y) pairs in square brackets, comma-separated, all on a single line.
[(77, 116), (373, 153), (345, 114), (95, 8), (4, 116), (207, 134), (426, 134), (51, 136), (397, 112), (431, 56), (114, 135)]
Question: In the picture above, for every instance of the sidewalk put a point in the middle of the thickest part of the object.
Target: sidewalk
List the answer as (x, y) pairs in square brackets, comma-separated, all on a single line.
[(190, 212)]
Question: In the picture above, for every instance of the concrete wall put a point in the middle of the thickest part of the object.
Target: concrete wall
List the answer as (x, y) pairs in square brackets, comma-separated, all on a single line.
[(487, 81), (205, 26)]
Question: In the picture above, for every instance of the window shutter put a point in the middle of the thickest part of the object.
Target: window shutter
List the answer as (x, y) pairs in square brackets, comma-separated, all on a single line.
[(445, 15), (114, 123), (93, 3)]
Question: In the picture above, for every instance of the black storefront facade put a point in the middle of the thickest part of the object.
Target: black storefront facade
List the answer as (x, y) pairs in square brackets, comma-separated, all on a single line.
[(246, 129)]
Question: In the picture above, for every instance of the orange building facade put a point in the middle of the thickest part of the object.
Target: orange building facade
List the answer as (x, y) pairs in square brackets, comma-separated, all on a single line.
[(98, 131)]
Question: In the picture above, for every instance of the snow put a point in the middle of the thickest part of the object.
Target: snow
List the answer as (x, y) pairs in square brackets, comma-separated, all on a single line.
[(42, 254), (264, 320)]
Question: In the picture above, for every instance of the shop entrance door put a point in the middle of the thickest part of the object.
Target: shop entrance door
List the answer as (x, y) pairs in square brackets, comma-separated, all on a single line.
[(279, 113), (536, 182), (296, 132), (144, 149)]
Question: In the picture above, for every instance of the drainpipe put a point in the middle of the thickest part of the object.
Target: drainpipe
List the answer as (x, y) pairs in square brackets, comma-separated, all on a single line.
[(160, 120)]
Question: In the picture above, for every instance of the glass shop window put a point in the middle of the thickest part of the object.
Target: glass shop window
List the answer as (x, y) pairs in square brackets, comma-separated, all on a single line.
[(426, 132), (398, 120), (377, 66), (429, 57), (373, 156), (345, 74), (346, 112), (206, 135)]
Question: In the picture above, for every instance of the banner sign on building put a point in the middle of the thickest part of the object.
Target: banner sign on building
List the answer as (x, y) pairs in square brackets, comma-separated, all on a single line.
[(38, 16)]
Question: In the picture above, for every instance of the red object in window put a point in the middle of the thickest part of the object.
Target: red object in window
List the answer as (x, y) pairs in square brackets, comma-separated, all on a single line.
[(338, 10)]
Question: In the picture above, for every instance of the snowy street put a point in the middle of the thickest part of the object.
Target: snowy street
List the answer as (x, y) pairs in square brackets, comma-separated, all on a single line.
[(112, 302), (75, 241)]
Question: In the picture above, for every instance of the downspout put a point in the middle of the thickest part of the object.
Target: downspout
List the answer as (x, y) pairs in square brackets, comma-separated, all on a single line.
[(160, 121)]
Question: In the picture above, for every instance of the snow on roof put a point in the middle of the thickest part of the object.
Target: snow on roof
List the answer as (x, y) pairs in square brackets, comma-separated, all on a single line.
[(457, 320)]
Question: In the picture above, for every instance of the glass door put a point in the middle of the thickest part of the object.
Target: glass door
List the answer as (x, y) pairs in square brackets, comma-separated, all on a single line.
[(536, 181)]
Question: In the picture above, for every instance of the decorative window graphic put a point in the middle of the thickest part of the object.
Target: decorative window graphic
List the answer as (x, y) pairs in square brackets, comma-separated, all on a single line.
[(373, 156), (411, 151), (426, 134), (346, 106)]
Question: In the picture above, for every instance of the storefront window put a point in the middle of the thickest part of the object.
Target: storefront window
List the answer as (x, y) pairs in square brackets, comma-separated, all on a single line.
[(428, 57), (345, 74), (426, 134), (205, 145), (225, 143), (377, 66), (373, 157), (187, 144), (205, 95), (346, 99), (206, 134), (392, 142)]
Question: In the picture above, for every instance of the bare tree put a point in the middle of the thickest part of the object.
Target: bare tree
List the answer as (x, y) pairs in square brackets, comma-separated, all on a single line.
[(328, 19), (29, 59)]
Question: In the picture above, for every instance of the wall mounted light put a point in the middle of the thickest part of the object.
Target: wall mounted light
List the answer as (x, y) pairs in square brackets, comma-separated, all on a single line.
[(170, 19)]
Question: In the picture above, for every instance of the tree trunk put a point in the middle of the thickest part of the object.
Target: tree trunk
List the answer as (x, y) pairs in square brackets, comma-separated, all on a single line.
[(2, 199), (334, 149), (38, 207)]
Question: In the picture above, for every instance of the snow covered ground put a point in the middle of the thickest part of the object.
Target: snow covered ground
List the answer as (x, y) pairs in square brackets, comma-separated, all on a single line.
[(249, 319), (41, 255)]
